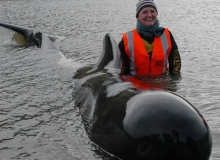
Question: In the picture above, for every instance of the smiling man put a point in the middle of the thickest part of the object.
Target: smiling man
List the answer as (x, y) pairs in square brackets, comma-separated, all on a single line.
[(148, 50)]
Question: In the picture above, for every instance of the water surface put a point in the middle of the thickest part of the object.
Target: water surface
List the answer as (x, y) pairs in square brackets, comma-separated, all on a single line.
[(38, 119)]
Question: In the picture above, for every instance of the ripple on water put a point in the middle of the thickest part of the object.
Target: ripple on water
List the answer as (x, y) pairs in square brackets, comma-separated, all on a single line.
[(37, 115)]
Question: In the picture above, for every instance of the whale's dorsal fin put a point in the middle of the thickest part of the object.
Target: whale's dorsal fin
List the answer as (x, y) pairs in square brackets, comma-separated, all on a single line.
[(110, 57)]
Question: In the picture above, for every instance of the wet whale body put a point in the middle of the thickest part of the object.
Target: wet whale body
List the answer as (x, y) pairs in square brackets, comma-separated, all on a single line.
[(137, 124), (132, 123)]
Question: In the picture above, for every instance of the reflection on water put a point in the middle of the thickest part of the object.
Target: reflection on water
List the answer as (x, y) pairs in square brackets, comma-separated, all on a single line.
[(37, 115), (167, 82)]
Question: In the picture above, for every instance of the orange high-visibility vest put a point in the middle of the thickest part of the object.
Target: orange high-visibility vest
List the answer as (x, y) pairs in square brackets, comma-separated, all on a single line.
[(140, 62)]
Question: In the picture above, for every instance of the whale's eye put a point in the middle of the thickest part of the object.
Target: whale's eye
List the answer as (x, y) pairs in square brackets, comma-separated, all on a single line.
[(144, 148)]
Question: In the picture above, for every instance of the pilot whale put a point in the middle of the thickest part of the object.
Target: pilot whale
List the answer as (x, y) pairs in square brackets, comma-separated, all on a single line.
[(135, 119), (132, 119)]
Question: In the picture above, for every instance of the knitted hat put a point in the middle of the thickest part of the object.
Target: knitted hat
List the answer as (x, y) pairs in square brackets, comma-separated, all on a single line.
[(144, 3)]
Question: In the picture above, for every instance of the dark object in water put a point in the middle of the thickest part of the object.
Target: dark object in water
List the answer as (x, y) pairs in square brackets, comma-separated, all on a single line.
[(137, 124), (31, 36)]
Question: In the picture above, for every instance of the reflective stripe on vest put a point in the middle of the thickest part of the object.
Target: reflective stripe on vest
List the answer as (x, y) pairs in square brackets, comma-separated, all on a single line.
[(140, 62)]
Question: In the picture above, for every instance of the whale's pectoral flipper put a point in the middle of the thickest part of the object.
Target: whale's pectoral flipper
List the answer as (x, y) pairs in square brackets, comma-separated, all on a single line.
[(28, 36), (31, 37), (28, 33)]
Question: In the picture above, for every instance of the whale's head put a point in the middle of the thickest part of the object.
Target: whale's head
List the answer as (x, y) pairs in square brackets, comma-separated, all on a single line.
[(166, 126)]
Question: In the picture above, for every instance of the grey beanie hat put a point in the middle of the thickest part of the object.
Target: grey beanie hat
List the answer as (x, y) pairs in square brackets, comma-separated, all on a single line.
[(144, 3)]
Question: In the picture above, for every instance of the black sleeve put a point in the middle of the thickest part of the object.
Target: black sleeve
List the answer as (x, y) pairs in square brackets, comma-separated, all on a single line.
[(125, 69), (174, 57)]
